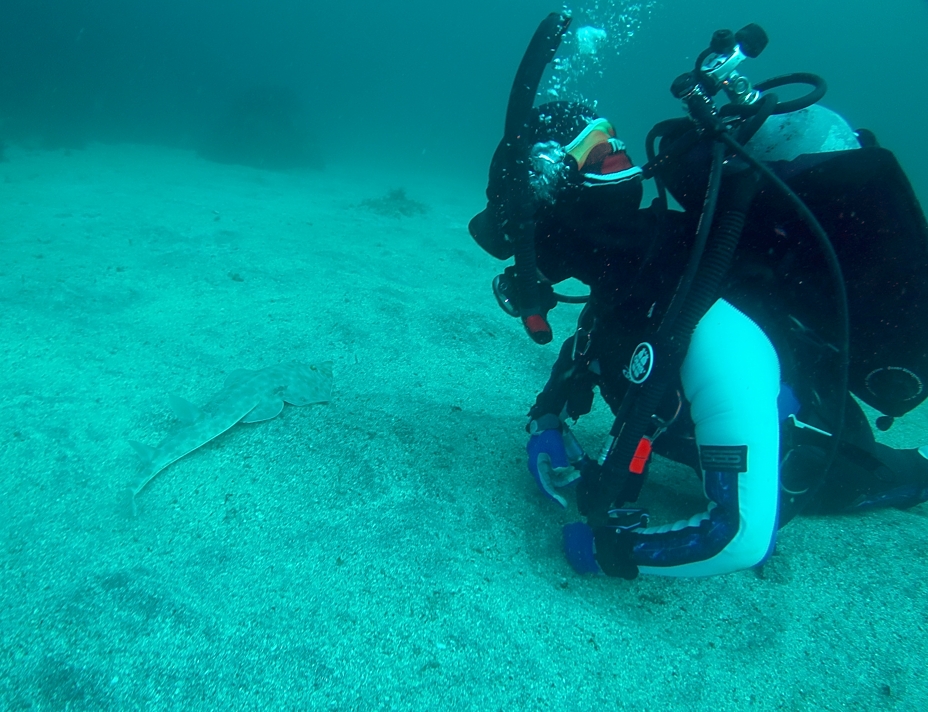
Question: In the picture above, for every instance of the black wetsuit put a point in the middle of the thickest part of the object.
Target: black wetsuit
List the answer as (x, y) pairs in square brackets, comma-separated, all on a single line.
[(778, 281)]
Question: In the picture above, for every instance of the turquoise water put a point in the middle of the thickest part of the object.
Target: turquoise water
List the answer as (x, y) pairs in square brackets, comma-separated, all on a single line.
[(387, 550)]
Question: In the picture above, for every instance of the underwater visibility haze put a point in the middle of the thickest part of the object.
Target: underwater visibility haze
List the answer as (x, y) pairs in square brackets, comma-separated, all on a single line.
[(210, 209)]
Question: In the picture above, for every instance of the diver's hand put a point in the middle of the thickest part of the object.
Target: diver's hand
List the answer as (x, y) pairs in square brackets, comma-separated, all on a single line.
[(580, 549), (552, 453), (602, 550), (613, 547)]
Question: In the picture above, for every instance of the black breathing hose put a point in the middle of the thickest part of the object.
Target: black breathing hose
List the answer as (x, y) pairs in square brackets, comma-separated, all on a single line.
[(702, 295), (697, 290), (568, 299), (766, 107), (702, 235), (834, 269), (641, 402), (819, 87)]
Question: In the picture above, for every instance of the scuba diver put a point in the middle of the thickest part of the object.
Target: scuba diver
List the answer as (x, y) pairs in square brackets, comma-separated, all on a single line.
[(729, 335)]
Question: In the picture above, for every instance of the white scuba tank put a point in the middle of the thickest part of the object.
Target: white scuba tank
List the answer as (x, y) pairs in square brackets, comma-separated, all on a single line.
[(814, 129)]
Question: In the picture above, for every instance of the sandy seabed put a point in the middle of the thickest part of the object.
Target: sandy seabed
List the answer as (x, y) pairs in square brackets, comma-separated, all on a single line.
[(387, 551)]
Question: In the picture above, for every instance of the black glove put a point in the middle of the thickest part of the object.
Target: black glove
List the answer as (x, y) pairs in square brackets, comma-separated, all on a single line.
[(614, 552)]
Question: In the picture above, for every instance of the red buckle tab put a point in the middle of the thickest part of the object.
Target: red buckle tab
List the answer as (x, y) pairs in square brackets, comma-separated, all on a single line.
[(640, 458), (537, 328)]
